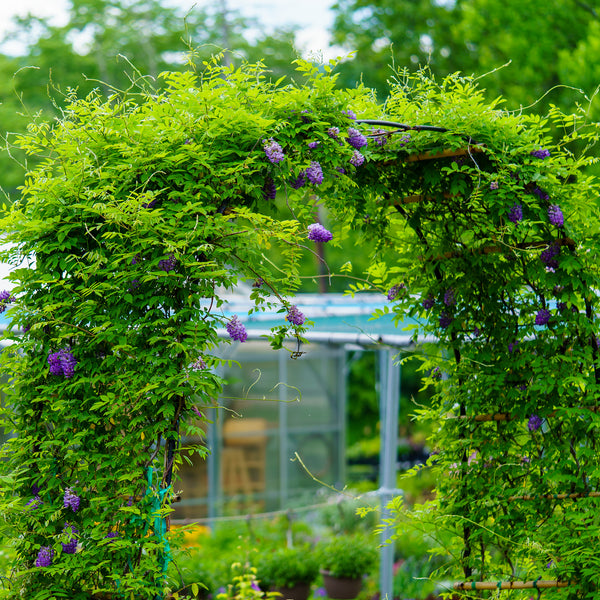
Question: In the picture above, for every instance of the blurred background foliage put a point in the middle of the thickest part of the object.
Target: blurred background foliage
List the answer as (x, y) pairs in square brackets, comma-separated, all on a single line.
[(533, 53)]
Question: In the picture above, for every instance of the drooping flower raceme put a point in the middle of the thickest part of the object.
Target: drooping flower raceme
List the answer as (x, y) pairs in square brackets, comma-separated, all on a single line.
[(357, 159), (62, 363), (356, 139), (542, 317), (350, 114), (445, 319), (395, 291), (70, 547), (269, 189), (555, 215), (34, 503), (333, 132), (541, 153), (44, 557), (428, 302), (273, 151), (548, 256), (71, 500), (515, 214), (236, 330), (294, 315), (534, 423), (198, 365), (380, 136), (299, 182), (5, 299), (314, 173), (167, 264), (540, 193), (450, 297), (318, 233)]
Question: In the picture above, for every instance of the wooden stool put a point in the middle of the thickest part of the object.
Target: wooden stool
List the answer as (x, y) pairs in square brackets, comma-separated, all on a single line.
[(243, 462)]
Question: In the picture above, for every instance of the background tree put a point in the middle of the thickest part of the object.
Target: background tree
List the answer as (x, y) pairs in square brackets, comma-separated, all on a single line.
[(547, 44), (109, 44)]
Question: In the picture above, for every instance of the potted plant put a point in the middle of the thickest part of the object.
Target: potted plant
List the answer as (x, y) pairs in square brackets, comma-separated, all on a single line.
[(344, 561), (289, 571)]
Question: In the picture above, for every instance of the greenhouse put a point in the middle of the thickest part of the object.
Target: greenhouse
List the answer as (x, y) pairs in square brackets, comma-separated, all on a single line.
[(278, 432)]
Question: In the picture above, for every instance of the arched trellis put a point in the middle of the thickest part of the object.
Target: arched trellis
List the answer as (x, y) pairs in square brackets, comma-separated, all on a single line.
[(143, 208)]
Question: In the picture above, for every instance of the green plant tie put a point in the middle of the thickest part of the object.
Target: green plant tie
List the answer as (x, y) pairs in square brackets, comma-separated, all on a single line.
[(535, 582)]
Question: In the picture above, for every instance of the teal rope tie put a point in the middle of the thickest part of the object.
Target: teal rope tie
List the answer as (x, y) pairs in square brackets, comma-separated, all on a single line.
[(159, 523)]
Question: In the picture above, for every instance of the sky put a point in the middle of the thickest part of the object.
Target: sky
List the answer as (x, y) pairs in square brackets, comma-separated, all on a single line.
[(311, 16)]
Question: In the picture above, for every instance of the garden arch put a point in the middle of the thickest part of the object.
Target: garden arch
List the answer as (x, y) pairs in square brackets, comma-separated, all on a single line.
[(144, 206)]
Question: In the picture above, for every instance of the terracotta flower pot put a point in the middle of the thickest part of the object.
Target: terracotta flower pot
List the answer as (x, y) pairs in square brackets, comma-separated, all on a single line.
[(301, 591), (341, 588)]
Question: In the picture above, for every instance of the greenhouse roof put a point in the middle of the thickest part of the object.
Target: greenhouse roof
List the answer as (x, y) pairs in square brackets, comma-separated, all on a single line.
[(337, 318)]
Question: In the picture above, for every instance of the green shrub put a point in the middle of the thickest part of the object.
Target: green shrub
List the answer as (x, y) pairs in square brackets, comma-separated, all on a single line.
[(286, 567), (348, 556)]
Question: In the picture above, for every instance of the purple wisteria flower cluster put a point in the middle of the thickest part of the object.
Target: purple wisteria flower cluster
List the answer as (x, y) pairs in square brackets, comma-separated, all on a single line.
[(445, 319), (273, 151), (236, 330), (450, 297), (70, 547), (534, 423), (198, 365), (515, 214), (357, 159), (396, 290), (350, 114), (299, 182), (318, 233), (167, 264), (62, 363), (313, 145), (5, 299), (541, 153), (333, 132), (44, 557), (380, 136), (555, 215), (542, 317), (314, 173), (540, 193), (356, 139), (294, 315), (269, 189), (71, 500), (428, 302), (34, 503), (549, 256)]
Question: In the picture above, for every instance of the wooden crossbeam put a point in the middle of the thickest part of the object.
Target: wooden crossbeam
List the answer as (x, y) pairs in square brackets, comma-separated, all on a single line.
[(511, 585)]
